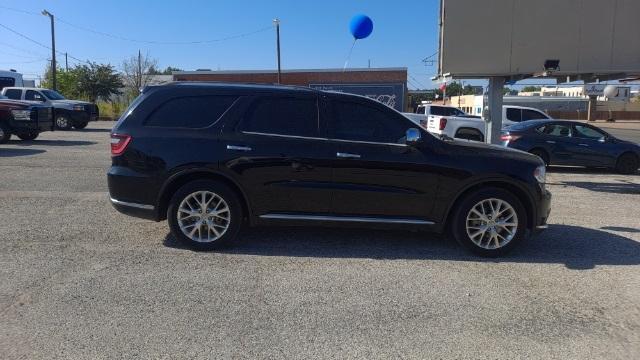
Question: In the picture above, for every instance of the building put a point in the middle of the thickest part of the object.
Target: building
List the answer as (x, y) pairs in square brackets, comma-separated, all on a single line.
[(387, 85), (576, 91)]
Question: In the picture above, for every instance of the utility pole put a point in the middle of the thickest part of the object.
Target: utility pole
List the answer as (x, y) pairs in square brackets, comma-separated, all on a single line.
[(53, 48), (139, 70), (277, 23), (66, 62)]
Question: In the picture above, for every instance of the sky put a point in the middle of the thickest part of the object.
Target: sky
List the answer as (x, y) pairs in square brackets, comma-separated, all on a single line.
[(314, 34)]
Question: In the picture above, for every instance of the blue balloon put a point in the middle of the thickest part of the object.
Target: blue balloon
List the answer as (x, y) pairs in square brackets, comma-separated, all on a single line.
[(361, 26)]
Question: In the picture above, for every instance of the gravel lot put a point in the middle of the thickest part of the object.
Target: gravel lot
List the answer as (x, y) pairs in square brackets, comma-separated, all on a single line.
[(79, 280)]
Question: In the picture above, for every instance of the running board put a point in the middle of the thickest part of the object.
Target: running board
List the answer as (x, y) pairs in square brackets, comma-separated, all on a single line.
[(345, 218)]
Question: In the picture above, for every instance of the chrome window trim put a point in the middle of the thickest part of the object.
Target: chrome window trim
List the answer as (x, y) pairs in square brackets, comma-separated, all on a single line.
[(345, 219), (322, 139), (133, 205)]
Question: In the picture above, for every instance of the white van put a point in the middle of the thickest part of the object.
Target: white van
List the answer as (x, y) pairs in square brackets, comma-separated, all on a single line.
[(10, 78)]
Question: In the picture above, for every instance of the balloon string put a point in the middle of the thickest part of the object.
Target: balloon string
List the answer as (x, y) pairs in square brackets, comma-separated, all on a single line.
[(349, 56)]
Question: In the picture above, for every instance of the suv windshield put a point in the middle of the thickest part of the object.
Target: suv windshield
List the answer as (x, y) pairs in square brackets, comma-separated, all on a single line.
[(52, 95)]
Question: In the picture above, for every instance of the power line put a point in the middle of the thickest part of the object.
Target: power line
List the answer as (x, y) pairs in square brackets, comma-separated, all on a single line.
[(155, 42), (24, 62), (416, 81), (40, 44)]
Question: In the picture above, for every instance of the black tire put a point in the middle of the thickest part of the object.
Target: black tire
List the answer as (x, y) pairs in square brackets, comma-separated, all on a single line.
[(5, 133), (63, 122), (80, 125), (627, 164), (31, 135), (223, 191), (542, 154), (464, 208)]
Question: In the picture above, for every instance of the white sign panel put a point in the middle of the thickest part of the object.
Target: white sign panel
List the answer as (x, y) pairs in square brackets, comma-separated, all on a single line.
[(594, 89)]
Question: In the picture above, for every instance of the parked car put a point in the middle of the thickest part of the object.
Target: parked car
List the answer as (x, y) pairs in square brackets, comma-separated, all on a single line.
[(67, 113), (561, 142), (453, 122), (23, 119), (212, 157), (10, 78)]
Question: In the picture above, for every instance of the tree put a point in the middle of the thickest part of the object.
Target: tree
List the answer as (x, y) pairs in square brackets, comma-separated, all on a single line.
[(98, 81), (531, 88), (134, 71)]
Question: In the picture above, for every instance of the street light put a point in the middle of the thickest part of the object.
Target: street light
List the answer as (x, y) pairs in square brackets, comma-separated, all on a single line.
[(276, 22), (53, 48)]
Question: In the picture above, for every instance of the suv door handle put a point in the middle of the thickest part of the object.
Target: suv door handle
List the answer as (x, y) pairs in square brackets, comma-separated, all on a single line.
[(587, 145), (550, 142), (347, 155), (238, 148)]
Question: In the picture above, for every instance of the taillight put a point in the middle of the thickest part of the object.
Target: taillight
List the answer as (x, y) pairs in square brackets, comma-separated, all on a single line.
[(443, 123), (509, 137), (119, 143)]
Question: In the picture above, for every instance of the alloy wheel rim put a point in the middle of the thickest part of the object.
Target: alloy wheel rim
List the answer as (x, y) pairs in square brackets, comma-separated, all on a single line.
[(62, 122), (204, 216), (491, 223)]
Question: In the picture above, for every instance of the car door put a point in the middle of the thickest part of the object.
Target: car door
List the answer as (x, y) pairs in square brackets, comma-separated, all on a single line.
[(277, 153), (374, 173), (556, 139), (34, 96), (592, 148)]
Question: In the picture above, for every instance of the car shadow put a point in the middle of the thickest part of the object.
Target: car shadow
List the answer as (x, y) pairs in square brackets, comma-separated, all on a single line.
[(621, 229), (580, 170), (628, 188), (14, 152), (93, 130), (574, 246), (52, 142)]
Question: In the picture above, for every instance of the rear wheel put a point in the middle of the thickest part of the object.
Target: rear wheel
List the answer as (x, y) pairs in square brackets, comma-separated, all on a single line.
[(542, 154), (31, 135), (5, 133), (63, 122), (489, 222), (627, 163), (205, 215), (80, 125)]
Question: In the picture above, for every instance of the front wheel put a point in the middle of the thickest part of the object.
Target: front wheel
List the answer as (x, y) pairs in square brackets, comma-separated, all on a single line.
[(63, 122), (205, 215), (31, 135), (627, 164), (80, 125), (489, 222)]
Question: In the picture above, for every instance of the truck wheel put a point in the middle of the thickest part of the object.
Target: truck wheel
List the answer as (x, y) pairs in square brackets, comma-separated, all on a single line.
[(5, 133), (63, 122), (31, 135), (80, 125)]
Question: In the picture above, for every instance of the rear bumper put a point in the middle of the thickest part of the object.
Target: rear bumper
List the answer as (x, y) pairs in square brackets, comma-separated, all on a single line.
[(143, 211), (132, 193)]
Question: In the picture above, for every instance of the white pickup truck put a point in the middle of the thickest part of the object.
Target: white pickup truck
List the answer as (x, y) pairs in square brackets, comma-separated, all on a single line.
[(454, 123)]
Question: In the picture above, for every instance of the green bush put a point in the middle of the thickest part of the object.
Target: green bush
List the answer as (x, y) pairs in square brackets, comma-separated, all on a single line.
[(111, 110)]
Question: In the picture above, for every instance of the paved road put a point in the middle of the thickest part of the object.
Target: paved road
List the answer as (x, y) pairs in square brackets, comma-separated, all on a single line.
[(79, 280)]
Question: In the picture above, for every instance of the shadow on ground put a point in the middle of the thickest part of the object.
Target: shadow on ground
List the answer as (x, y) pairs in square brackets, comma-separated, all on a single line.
[(576, 247), (14, 152), (52, 142), (93, 130), (623, 187), (582, 170)]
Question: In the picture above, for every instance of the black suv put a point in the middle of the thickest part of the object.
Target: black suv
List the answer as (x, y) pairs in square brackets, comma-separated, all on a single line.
[(212, 157)]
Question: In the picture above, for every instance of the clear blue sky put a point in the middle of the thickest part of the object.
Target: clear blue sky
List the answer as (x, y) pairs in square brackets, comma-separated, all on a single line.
[(314, 34)]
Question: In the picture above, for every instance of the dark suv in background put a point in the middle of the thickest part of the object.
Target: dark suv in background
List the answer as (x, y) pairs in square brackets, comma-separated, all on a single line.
[(212, 157)]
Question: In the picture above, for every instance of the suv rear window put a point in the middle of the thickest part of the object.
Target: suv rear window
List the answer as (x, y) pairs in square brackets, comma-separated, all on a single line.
[(190, 112), (282, 116)]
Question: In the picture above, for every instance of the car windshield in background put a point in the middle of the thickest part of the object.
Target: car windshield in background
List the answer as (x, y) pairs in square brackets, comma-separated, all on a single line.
[(52, 95)]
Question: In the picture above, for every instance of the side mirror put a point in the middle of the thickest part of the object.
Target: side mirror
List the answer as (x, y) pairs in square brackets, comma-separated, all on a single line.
[(413, 136)]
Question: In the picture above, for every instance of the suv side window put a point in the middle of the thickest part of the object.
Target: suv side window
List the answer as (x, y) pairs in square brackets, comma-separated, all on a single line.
[(14, 94), (514, 114), (190, 112), (532, 115), (33, 95), (358, 122), (283, 116)]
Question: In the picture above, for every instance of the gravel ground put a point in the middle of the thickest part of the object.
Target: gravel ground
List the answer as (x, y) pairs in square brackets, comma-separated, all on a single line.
[(80, 280)]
